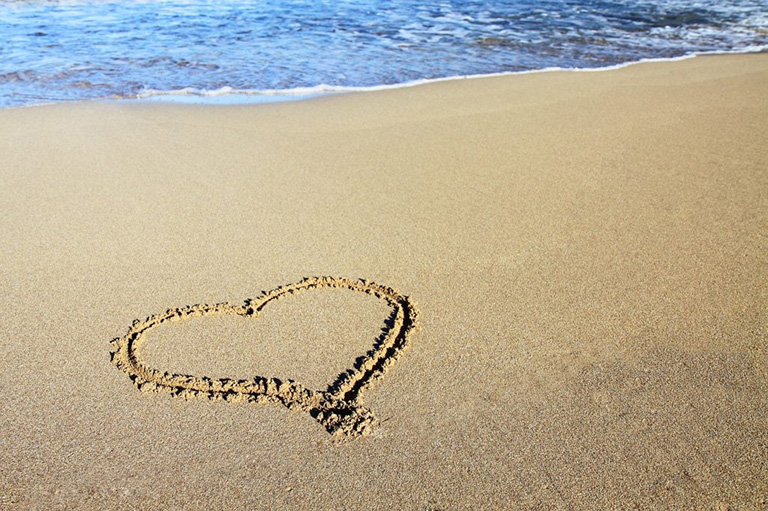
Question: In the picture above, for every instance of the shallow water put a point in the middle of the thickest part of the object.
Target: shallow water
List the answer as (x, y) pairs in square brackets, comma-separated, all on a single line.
[(70, 50)]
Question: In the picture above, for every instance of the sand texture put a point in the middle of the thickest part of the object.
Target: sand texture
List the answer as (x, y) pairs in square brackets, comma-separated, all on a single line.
[(549, 291)]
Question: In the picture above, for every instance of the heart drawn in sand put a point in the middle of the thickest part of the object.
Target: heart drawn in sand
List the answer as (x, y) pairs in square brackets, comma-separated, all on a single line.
[(338, 408)]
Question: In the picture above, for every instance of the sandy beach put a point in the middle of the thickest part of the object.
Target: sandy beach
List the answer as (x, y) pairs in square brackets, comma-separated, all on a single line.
[(587, 253)]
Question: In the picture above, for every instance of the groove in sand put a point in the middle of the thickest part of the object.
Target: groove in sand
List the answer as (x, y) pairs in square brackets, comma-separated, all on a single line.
[(338, 408)]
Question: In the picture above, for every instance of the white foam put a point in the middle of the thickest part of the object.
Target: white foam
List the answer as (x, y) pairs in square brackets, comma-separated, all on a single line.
[(229, 96)]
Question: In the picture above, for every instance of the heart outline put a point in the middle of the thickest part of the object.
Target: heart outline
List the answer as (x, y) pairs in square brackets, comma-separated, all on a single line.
[(338, 408)]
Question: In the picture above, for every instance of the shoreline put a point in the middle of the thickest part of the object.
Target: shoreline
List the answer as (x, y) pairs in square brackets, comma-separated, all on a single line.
[(586, 253), (227, 96), (301, 93)]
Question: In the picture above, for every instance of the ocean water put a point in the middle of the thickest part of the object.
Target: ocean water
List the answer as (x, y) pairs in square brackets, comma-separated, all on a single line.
[(54, 51)]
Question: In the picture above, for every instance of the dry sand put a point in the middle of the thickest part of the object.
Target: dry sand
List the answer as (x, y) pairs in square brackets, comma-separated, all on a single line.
[(587, 251)]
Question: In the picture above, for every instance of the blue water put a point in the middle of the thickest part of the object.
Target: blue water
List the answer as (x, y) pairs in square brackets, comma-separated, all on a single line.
[(69, 50)]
